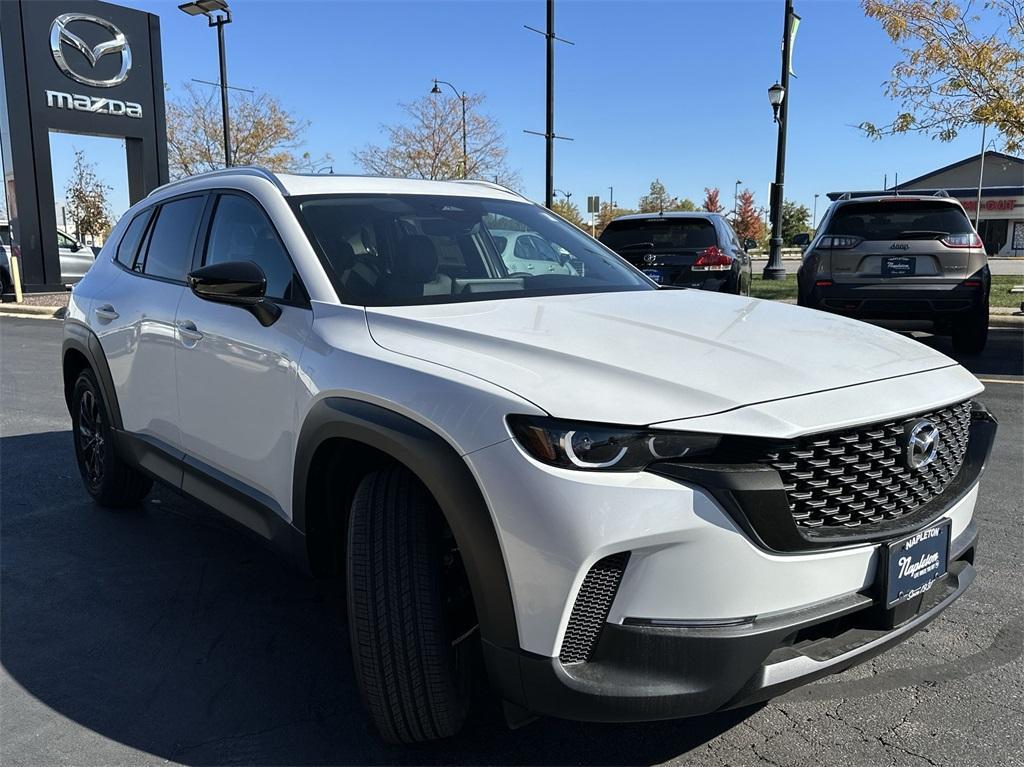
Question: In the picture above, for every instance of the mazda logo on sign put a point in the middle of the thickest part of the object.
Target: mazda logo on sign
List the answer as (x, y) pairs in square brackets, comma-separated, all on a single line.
[(61, 36), (922, 443)]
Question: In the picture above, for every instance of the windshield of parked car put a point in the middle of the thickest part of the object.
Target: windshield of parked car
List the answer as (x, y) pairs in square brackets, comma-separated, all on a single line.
[(899, 220), (660, 233), (394, 250)]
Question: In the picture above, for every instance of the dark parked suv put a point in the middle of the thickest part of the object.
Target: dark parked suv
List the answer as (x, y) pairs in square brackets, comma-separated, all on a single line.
[(692, 250), (902, 259)]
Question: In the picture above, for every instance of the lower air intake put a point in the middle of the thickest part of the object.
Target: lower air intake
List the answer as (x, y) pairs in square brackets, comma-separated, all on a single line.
[(591, 609)]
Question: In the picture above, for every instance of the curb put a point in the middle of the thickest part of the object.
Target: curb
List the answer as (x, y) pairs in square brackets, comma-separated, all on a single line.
[(34, 312)]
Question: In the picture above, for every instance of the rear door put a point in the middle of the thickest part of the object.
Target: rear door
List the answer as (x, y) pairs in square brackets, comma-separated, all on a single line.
[(900, 240), (236, 379), (134, 315)]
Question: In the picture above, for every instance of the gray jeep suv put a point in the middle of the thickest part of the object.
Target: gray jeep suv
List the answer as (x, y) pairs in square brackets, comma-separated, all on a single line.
[(902, 259)]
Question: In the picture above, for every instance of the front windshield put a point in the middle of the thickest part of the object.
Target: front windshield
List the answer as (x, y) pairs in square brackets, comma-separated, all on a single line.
[(395, 250)]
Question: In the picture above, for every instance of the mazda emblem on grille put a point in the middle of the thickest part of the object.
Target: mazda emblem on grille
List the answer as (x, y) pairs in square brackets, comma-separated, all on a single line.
[(922, 443)]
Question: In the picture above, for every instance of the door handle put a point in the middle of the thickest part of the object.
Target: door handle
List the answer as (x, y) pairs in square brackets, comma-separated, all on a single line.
[(189, 331), (106, 313)]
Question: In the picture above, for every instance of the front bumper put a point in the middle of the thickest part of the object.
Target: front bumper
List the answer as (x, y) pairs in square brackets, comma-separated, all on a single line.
[(647, 672)]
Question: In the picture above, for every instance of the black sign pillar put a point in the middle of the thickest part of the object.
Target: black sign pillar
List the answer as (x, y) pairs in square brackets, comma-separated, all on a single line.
[(84, 67)]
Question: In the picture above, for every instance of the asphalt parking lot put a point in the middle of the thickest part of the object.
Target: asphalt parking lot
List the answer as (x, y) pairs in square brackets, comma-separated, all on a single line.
[(162, 635)]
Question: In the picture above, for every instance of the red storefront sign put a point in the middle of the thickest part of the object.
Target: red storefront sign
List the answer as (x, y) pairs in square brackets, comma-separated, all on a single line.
[(1007, 204)]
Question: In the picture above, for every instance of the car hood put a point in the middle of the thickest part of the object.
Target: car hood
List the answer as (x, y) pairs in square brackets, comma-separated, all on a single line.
[(649, 356)]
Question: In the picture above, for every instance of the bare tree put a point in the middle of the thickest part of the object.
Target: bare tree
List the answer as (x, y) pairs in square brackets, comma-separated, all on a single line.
[(263, 133), (87, 199), (429, 143)]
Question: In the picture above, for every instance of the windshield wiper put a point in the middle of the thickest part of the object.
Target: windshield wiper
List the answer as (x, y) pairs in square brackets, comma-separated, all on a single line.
[(921, 234), (635, 245)]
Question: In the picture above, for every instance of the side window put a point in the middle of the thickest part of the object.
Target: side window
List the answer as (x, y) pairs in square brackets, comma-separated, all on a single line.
[(63, 241), (241, 231), (169, 254), (129, 245)]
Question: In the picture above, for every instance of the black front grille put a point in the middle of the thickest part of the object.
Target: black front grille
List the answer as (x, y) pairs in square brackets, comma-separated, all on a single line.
[(860, 477), (590, 611)]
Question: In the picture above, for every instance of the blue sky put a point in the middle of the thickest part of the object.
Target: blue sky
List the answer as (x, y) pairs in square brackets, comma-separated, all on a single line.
[(670, 89)]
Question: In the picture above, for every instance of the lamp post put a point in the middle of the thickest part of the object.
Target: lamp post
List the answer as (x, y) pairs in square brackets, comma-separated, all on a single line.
[(566, 195), (774, 270), (736, 200), (462, 97), (217, 15), (814, 215)]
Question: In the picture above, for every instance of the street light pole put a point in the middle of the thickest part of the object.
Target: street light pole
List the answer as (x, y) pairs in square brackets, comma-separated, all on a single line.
[(217, 15), (461, 95), (736, 200), (814, 215), (778, 94)]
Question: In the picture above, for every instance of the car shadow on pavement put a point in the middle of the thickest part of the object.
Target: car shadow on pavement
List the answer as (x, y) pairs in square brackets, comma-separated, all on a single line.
[(166, 630), (1003, 355)]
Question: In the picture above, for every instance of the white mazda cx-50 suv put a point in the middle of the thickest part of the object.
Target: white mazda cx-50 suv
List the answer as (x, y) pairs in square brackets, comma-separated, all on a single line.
[(618, 502)]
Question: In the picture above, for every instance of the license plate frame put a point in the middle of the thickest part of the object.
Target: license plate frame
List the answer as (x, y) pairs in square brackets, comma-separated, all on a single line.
[(906, 565), (899, 266)]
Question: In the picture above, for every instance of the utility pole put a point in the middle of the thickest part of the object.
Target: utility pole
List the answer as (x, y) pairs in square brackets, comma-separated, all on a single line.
[(779, 96), (549, 121)]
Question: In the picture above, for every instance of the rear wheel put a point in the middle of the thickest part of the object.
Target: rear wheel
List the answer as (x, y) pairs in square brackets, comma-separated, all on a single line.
[(970, 334), (408, 620), (110, 481)]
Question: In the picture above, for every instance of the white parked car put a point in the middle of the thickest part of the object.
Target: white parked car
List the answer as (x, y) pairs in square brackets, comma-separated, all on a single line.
[(527, 253), (75, 258), (632, 503)]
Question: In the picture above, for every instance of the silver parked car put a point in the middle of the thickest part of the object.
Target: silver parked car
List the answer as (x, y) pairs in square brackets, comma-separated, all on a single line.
[(75, 258)]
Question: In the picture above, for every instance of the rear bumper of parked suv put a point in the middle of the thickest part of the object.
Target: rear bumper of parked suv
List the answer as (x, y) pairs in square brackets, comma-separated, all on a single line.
[(699, 616), (898, 300)]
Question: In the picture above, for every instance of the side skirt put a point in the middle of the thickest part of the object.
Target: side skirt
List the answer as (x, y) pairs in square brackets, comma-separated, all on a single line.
[(243, 505)]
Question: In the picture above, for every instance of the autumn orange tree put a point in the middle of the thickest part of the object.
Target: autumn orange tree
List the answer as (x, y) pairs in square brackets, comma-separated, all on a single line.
[(747, 222), (962, 64), (263, 133), (570, 212), (711, 203)]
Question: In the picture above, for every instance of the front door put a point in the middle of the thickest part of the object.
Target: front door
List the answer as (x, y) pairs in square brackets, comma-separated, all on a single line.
[(237, 379)]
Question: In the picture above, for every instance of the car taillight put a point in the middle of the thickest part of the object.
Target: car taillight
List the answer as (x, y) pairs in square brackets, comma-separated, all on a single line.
[(840, 242), (823, 283), (712, 259), (969, 240)]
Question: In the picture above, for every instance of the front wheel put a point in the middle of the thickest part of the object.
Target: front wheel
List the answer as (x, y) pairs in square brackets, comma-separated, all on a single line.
[(970, 334), (407, 644), (110, 481)]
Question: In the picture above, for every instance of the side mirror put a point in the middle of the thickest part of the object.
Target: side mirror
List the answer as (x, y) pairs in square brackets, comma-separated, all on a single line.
[(75, 247), (749, 243), (802, 240), (238, 283)]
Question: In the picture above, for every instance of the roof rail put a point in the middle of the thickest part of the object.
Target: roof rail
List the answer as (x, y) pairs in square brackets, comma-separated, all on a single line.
[(488, 184), (941, 193), (845, 196), (242, 170)]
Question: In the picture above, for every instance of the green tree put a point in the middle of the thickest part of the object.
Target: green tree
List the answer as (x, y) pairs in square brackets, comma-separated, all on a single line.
[(795, 219), (263, 133), (657, 199), (962, 64), (685, 204), (570, 212), (608, 213), (748, 218), (86, 196)]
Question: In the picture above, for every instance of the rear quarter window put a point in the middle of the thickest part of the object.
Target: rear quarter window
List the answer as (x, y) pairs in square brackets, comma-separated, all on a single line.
[(129, 245)]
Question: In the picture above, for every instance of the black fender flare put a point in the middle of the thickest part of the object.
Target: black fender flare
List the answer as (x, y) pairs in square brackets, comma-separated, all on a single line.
[(79, 337), (444, 472)]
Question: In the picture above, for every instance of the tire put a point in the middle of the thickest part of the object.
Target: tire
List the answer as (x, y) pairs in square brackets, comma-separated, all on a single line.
[(413, 679), (108, 479), (6, 285), (971, 334)]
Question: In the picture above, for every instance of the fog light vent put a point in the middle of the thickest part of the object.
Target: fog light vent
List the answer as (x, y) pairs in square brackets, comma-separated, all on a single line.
[(590, 612)]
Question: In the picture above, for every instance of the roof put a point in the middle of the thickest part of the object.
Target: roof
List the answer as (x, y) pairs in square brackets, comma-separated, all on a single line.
[(666, 214), (967, 161), (312, 184)]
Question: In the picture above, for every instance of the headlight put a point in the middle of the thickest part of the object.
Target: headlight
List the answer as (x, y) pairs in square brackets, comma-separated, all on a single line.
[(600, 447)]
